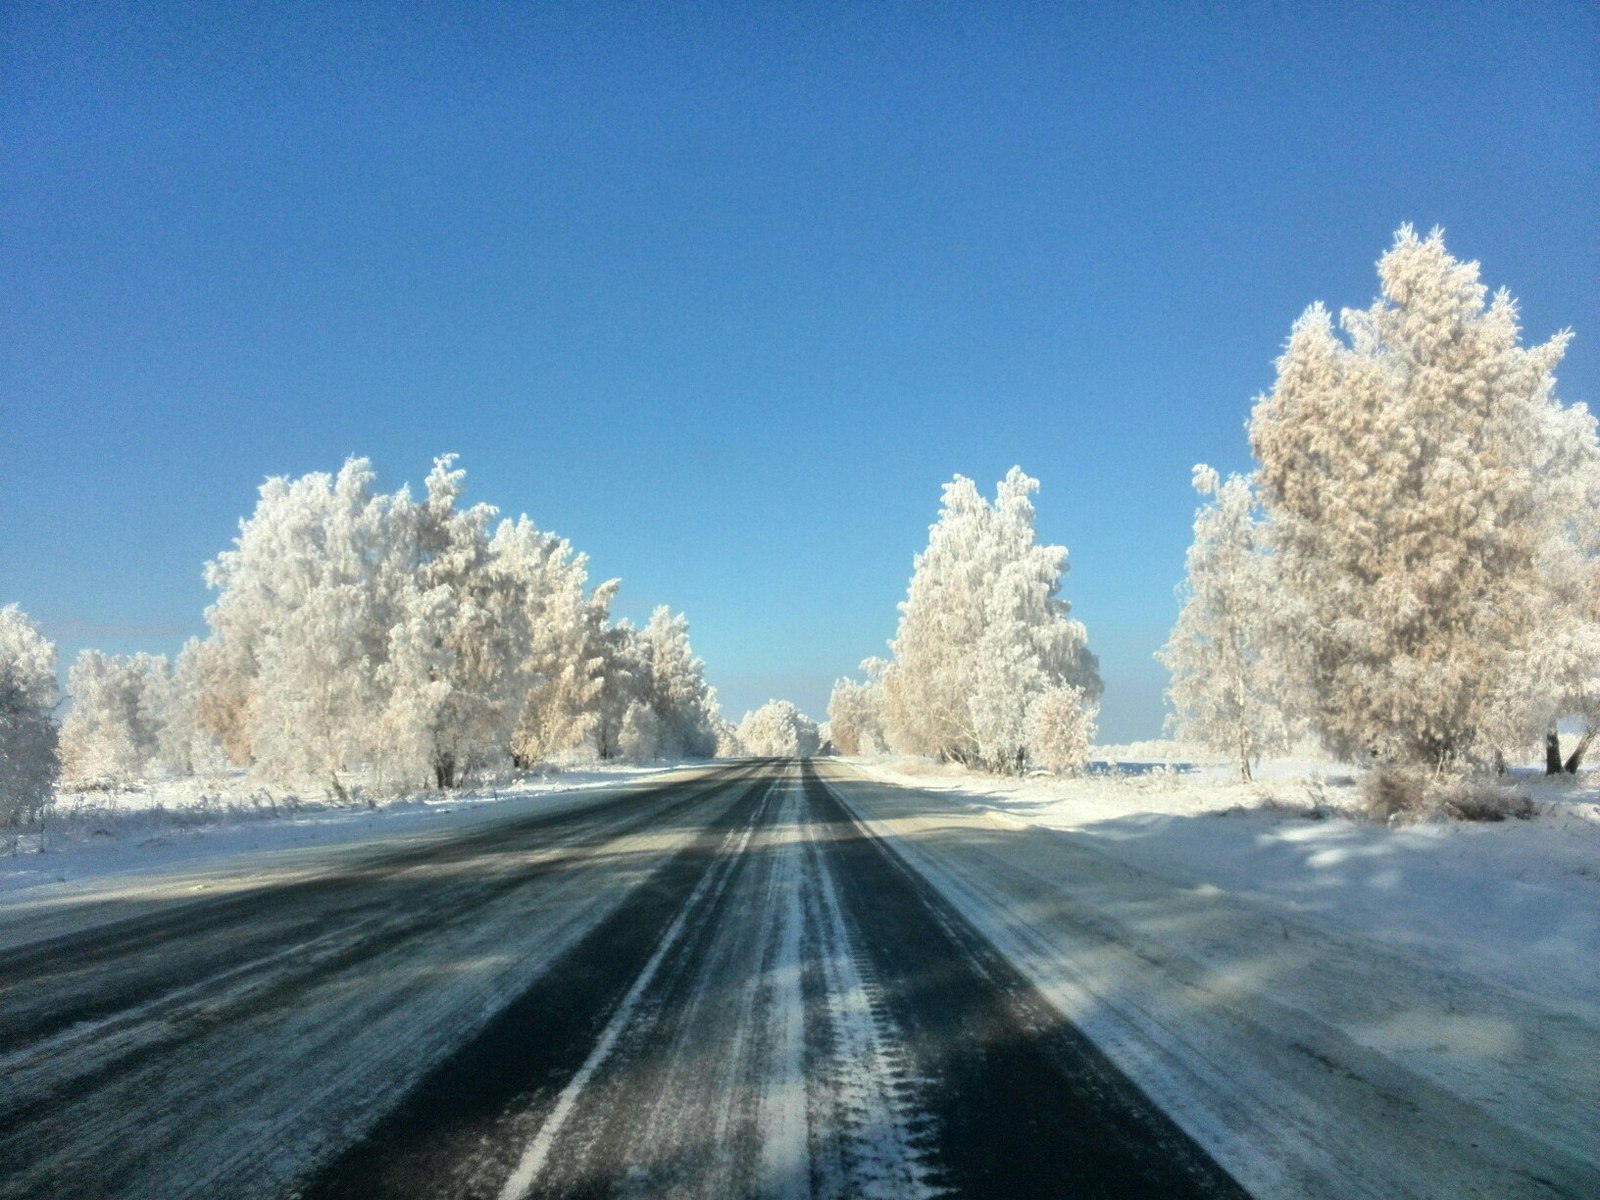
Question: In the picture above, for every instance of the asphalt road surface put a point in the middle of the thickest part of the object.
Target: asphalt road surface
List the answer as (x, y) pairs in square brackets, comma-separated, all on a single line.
[(718, 986)]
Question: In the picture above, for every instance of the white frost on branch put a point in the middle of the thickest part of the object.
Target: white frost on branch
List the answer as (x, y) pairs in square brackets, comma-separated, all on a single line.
[(778, 729), (1417, 477)]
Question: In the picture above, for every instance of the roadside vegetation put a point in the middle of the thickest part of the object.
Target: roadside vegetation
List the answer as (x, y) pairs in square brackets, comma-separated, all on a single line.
[(1409, 581)]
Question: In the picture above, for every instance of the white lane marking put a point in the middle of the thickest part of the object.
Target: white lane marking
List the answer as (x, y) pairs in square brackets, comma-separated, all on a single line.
[(711, 883)]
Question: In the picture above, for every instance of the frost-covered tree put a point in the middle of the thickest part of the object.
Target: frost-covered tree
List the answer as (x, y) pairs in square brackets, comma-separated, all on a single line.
[(456, 673), (675, 689), (112, 735), (1229, 690), (1571, 659), (642, 736), (983, 632), (28, 698), (185, 745), (728, 743), (855, 712), (1061, 729), (361, 632), (1402, 472), (623, 683), (564, 659), (1561, 669), (778, 730), (306, 602)]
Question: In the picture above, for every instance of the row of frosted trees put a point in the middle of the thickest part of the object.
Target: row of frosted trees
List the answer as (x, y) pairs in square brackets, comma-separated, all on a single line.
[(1411, 575), (400, 641), (986, 668)]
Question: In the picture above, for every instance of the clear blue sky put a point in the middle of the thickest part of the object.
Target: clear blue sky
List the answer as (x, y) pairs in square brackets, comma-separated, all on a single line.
[(724, 293)]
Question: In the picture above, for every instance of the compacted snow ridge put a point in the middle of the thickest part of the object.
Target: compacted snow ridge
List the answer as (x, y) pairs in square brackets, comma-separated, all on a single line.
[(802, 1103), (881, 1154)]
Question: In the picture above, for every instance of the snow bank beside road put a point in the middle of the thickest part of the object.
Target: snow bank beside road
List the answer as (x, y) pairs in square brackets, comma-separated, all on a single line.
[(180, 836), (1332, 1007), (1516, 899)]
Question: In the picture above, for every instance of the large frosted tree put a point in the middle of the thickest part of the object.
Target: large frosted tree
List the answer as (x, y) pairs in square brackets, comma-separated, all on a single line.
[(675, 689), (1413, 479), (1229, 690), (371, 636), (564, 659), (455, 672), (983, 634), (28, 697), (306, 602)]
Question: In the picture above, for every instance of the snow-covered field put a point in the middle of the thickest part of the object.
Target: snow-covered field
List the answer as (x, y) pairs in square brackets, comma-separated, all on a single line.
[(1331, 1005)]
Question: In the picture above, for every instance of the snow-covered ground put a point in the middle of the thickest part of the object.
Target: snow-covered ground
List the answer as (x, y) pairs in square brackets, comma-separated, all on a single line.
[(1333, 1006), (1330, 1005), (192, 834), (1511, 898)]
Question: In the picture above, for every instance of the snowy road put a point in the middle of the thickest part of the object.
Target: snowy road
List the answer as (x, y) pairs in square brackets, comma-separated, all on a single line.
[(719, 986)]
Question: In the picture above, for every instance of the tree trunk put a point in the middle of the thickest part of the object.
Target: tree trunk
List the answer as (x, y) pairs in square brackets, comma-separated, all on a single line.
[(1581, 749), (338, 788), (1552, 753)]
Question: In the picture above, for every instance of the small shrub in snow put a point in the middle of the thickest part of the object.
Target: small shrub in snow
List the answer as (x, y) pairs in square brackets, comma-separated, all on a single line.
[(1399, 793), (1061, 729), (1481, 800), (1392, 792)]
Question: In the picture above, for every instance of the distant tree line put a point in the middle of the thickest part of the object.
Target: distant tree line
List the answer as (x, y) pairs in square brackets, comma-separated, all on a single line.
[(1411, 576)]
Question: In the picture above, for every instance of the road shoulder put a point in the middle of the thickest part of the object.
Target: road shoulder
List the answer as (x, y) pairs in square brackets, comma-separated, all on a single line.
[(1309, 1062)]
